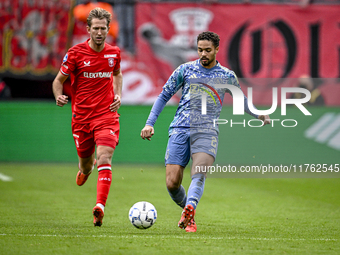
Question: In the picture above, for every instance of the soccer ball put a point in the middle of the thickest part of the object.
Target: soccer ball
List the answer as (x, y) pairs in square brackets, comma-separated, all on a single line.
[(142, 215)]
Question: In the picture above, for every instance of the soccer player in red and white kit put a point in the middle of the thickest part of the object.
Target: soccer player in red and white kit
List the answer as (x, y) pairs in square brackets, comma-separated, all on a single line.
[(96, 81)]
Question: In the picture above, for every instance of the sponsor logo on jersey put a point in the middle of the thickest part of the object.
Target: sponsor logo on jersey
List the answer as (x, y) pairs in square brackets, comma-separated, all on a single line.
[(98, 75), (110, 56), (86, 63), (111, 62), (65, 58), (213, 90)]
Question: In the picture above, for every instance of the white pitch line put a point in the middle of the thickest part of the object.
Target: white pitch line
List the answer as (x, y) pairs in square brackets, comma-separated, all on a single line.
[(5, 178), (176, 237)]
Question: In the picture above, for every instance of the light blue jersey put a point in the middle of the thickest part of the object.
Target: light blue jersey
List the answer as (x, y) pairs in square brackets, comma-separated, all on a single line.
[(194, 80)]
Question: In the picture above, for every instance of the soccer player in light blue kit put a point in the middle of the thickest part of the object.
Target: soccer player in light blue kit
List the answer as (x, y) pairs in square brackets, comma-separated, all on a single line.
[(192, 134)]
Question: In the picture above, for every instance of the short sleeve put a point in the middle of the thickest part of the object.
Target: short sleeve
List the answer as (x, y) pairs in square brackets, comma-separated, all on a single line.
[(68, 65), (117, 65)]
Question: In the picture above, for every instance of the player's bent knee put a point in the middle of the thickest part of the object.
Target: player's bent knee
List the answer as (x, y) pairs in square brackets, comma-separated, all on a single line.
[(174, 176), (172, 184), (104, 154), (104, 158)]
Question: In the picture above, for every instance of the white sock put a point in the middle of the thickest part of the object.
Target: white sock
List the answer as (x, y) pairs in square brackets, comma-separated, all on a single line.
[(101, 206)]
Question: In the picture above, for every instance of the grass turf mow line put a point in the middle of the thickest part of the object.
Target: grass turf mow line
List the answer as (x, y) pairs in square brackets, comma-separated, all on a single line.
[(5, 178), (175, 237), (284, 216)]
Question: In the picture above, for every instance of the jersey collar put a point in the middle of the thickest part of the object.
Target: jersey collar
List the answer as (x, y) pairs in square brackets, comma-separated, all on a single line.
[(203, 69), (88, 46)]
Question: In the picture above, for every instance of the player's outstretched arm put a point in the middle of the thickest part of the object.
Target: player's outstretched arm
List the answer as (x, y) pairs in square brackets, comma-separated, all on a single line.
[(147, 132), (57, 87), (265, 119)]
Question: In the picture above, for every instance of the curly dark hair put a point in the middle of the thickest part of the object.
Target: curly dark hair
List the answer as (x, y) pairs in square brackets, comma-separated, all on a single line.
[(209, 36)]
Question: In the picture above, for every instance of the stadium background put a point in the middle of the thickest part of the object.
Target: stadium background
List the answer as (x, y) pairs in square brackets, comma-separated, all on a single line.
[(259, 40)]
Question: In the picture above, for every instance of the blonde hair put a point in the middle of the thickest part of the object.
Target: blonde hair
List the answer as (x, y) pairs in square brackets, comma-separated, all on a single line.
[(99, 13)]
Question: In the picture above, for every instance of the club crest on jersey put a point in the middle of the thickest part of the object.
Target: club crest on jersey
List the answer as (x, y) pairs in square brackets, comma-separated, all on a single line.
[(111, 62)]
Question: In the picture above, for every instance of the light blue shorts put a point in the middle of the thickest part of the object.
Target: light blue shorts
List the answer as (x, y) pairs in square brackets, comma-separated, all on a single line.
[(182, 145)]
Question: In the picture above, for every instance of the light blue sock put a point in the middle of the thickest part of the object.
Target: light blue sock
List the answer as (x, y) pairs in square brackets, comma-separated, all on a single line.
[(196, 188), (179, 196)]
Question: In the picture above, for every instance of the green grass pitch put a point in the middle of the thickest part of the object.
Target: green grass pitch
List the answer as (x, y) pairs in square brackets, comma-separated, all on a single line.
[(43, 211)]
